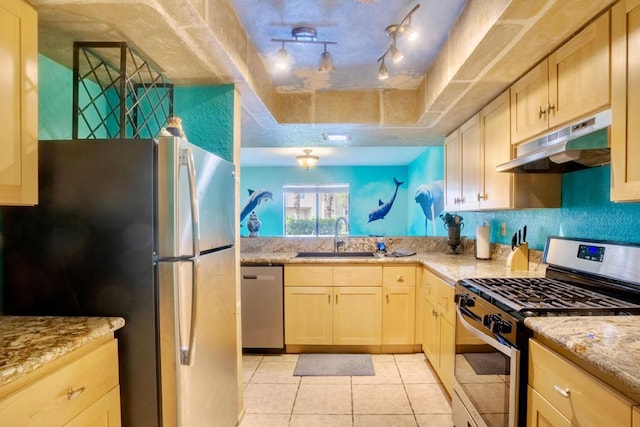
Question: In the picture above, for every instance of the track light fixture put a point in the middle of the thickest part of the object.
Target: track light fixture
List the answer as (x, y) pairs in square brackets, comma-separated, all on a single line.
[(394, 32), (304, 35)]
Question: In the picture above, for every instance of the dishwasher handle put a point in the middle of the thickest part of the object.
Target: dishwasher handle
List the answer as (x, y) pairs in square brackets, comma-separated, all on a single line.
[(263, 277)]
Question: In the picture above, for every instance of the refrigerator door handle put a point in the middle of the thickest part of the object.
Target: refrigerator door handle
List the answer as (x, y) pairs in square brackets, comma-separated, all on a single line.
[(186, 352), (186, 158)]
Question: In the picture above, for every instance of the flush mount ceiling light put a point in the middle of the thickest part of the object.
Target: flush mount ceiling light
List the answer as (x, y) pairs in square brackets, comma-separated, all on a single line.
[(336, 136), (304, 35), (394, 32), (307, 160)]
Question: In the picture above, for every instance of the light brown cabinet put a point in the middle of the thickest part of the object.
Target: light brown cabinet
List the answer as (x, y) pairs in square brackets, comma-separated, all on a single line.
[(19, 106), (462, 167), (320, 309), (572, 82), (438, 332), (636, 417), (398, 305), (82, 390), (625, 102), (500, 190), (561, 391)]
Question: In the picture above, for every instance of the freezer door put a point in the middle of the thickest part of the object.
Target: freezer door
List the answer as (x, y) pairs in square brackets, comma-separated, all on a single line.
[(196, 206), (198, 341)]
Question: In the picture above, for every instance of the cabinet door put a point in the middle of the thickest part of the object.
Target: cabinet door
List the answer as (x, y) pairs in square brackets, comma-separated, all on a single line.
[(636, 417), (579, 74), (496, 149), (540, 413), (357, 315), (452, 184), (308, 315), (470, 163), (625, 102), (430, 333), (398, 314), (529, 97), (447, 353), (19, 106), (103, 413)]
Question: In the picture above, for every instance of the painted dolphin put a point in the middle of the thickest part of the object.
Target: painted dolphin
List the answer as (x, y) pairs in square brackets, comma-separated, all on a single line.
[(383, 208), (255, 197), (430, 197)]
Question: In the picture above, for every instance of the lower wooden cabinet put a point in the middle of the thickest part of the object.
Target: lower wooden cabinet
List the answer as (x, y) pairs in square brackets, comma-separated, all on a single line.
[(561, 392), (317, 312), (541, 413), (438, 331), (636, 417), (82, 390), (398, 305)]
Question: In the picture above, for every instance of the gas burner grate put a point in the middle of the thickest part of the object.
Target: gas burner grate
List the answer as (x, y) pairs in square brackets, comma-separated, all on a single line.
[(548, 295)]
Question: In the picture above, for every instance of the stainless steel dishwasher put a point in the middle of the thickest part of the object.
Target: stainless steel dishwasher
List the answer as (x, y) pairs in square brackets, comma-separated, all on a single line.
[(262, 308)]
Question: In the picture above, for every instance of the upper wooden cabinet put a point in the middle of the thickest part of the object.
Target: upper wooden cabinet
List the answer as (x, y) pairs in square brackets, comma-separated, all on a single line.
[(500, 190), (572, 82), (472, 153), (462, 166), (19, 106), (625, 102)]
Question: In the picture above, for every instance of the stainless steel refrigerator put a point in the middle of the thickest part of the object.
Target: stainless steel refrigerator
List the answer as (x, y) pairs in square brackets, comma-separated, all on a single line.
[(145, 230)]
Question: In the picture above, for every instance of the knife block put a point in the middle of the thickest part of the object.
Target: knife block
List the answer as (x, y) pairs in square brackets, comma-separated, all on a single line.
[(518, 259)]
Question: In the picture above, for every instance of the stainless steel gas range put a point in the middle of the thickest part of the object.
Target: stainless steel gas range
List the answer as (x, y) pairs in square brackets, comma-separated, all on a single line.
[(583, 278)]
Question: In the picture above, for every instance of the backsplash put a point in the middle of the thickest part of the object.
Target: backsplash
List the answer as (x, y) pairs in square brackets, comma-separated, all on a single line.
[(293, 245)]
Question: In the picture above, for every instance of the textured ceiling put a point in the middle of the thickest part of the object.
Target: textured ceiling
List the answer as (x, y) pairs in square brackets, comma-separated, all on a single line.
[(469, 53)]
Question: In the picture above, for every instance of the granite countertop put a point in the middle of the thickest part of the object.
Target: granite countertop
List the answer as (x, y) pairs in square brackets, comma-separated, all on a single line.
[(29, 342), (450, 267), (609, 343)]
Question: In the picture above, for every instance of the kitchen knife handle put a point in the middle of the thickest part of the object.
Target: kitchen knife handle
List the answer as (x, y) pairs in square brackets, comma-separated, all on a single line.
[(524, 234), (519, 237)]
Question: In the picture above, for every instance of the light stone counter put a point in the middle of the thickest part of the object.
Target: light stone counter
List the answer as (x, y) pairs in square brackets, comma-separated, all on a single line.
[(450, 267), (611, 344), (28, 342)]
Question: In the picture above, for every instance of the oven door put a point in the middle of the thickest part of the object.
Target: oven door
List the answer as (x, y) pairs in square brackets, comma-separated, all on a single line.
[(486, 379)]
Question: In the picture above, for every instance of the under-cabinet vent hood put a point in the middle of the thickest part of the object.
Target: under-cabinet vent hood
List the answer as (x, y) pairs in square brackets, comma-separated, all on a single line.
[(577, 146)]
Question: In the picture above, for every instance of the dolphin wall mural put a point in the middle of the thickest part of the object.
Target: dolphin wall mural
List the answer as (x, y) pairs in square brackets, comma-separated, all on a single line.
[(255, 197), (430, 197), (383, 208)]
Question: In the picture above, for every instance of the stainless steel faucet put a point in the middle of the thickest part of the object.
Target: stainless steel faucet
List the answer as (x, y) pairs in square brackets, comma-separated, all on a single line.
[(337, 243)]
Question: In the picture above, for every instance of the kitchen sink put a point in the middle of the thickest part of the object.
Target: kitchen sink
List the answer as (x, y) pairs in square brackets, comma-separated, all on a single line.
[(335, 255)]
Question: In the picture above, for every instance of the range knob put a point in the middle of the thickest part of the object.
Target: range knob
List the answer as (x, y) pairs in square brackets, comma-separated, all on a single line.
[(464, 300), (497, 324)]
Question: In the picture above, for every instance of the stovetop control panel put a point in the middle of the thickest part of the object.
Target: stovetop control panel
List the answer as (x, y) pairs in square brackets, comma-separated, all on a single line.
[(591, 252)]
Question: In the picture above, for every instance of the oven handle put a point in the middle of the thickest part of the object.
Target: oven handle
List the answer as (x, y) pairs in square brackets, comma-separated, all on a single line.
[(506, 349)]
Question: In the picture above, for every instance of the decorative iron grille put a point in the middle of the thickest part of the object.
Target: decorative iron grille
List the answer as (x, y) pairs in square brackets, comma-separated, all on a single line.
[(117, 94)]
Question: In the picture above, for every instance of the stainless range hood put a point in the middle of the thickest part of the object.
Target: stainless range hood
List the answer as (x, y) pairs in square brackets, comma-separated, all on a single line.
[(577, 146)]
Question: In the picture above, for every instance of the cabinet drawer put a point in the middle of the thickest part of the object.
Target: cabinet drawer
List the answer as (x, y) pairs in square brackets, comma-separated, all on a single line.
[(578, 396), (401, 276), (308, 275), (360, 275), (61, 395)]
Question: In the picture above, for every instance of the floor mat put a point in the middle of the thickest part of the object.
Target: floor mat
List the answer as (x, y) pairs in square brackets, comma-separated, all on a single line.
[(351, 365), (488, 363)]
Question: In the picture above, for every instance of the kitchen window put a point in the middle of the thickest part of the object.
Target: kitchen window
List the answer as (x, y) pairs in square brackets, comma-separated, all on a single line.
[(312, 210)]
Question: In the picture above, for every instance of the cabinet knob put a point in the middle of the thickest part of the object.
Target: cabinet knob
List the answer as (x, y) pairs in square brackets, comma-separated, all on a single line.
[(564, 392), (72, 394), (550, 108), (541, 111), (387, 298), (400, 278), (482, 196)]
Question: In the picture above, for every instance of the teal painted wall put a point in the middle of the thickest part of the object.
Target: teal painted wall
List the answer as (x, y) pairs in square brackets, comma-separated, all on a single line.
[(206, 111), (207, 117), (367, 185), (428, 168), (207, 114), (586, 212)]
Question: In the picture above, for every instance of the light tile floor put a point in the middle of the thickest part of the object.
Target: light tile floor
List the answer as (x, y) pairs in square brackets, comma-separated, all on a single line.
[(404, 392)]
